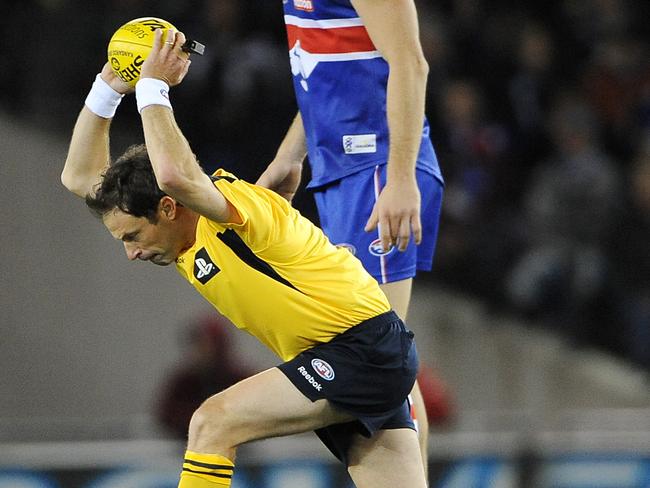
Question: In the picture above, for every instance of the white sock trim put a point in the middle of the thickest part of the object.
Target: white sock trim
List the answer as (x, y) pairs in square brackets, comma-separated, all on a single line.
[(151, 91), (102, 100)]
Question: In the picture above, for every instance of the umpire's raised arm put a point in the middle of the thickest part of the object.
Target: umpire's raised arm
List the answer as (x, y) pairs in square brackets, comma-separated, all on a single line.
[(89, 154), (177, 171)]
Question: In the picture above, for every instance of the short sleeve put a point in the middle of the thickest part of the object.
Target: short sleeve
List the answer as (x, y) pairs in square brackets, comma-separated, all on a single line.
[(260, 209)]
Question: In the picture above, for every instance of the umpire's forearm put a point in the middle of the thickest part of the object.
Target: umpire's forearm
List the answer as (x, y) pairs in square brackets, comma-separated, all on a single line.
[(88, 154)]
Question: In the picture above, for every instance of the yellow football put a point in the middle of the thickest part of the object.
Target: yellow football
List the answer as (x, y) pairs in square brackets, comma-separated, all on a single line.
[(131, 44)]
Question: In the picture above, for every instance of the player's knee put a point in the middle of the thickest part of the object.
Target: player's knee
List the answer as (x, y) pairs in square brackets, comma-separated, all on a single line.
[(212, 425)]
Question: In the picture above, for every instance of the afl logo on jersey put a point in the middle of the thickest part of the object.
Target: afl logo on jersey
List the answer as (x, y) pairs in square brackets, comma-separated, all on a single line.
[(322, 369), (376, 248)]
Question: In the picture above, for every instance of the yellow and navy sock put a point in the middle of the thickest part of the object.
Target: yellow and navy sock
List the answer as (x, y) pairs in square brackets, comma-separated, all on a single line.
[(205, 471)]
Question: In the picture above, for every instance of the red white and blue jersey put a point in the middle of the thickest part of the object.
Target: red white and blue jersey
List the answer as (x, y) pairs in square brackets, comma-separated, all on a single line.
[(340, 80)]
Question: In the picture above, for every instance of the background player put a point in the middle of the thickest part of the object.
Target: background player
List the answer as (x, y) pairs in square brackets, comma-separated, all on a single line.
[(270, 271), (360, 79)]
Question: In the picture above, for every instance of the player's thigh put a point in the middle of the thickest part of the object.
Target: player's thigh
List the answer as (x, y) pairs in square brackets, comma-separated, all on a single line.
[(390, 458), (264, 405), (399, 295)]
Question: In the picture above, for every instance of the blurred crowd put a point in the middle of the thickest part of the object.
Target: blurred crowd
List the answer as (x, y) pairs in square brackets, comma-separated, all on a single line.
[(209, 364), (540, 115)]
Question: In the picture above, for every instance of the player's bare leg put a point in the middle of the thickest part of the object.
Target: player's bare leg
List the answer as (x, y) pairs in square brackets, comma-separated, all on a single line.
[(422, 425), (262, 406), (268, 405), (399, 297), (390, 458)]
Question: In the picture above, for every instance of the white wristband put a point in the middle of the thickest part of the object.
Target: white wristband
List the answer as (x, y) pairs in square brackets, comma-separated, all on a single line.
[(102, 100), (151, 91)]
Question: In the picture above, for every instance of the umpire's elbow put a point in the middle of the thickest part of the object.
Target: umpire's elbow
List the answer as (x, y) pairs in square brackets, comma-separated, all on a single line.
[(172, 183), (73, 184)]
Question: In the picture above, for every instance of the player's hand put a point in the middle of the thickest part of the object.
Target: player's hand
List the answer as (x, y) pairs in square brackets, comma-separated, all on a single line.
[(167, 61), (283, 178), (397, 214), (109, 76)]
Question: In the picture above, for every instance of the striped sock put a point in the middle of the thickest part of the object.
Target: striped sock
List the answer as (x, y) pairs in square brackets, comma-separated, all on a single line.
[(205, 471)]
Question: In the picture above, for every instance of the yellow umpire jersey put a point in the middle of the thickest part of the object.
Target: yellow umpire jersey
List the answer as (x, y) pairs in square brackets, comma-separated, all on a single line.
[(276, 275)]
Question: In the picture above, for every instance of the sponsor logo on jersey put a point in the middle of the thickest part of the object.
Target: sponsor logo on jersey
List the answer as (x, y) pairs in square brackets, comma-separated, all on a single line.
[(349, 247), (323, 369), (306, 5), (359, 144), (376, 248), (204, 268), (310, 379)]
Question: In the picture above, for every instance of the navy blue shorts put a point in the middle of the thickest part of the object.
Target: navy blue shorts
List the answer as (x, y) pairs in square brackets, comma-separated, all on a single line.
[(344, 207), (368, 372)]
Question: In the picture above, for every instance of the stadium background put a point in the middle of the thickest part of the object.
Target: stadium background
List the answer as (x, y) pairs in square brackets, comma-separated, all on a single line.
[(536, 314)]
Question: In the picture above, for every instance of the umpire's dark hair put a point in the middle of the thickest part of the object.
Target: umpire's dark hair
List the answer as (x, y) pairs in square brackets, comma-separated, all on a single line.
[(129, 184)]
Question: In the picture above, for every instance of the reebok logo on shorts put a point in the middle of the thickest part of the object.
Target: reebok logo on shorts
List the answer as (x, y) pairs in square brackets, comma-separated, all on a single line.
[(310, 379)]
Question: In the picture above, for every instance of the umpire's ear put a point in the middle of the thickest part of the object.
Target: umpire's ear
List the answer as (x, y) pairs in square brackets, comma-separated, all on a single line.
[(167, 207)]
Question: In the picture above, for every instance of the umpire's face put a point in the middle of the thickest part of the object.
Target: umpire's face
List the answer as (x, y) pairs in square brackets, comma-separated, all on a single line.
[(160, 243)]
